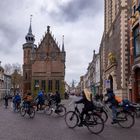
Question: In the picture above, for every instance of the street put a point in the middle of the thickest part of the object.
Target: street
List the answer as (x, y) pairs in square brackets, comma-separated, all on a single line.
[(42, 127)]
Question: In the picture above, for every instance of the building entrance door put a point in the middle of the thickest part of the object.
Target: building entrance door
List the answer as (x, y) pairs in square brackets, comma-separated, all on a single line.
[(111, 81)]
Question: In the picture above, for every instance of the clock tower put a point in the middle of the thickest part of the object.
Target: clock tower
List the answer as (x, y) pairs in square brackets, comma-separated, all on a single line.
[(27, 59)]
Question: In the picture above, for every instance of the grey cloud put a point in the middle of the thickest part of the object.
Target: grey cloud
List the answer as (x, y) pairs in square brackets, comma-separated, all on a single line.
[(9, 37), (9, 32), (75, 9)]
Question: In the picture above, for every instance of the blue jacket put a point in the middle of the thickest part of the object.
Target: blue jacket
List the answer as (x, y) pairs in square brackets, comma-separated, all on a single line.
[(17, 98), (111, 98)]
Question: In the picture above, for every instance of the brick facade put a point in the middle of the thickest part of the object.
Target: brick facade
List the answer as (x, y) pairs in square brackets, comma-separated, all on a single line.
[(134, 79), (44, 66), (115, 46)]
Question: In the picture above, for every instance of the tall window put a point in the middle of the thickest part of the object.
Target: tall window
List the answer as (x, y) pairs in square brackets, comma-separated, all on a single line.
[(43, 84), (36, 84), (57, 85), (50, 85), (136, 42)]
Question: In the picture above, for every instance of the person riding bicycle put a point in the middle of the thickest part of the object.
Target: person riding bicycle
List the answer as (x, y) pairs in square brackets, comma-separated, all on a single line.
[(88, 104), (57, 100), (40, 100), (28, 99), (113, 103), (16, 101)]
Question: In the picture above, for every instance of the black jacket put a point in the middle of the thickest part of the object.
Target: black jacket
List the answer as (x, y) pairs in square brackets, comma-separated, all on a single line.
[(88, 105)]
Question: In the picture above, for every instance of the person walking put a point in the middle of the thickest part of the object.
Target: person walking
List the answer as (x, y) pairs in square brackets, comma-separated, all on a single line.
[(6, 101)]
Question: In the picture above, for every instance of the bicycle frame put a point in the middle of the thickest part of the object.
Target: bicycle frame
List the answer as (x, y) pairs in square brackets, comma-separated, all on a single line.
[(108, 110), (76, 110)]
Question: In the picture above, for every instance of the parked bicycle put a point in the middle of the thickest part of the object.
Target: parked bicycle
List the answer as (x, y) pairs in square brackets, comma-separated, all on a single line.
[(59, 109), (125, 118), (92, 121)]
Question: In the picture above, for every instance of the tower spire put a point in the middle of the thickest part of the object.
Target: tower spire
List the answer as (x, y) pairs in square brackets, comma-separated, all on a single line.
[(30, 27), (63, 49), (30, 37)]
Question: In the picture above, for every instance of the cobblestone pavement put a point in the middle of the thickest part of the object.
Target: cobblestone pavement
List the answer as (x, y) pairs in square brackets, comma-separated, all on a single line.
[(42, 127)]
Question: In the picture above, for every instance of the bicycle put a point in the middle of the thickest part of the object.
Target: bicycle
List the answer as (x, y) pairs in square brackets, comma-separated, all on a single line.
[(27, 109), (100, 110), (124, 117), (52, 106), (91, 120)]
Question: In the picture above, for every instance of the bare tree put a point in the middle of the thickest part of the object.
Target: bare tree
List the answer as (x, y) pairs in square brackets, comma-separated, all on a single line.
[(10, 68), (16, 75), (16, 81)]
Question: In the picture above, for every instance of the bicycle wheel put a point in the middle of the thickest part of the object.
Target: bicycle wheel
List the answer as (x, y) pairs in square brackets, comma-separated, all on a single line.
[(61, 110), (48, 110), (22, 111), (125, 120), (104, 116), (32, 113), (95, 124), (71, 119)]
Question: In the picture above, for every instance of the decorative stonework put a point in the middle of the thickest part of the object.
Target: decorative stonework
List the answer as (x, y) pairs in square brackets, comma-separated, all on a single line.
[(111, 59), (116, 45)]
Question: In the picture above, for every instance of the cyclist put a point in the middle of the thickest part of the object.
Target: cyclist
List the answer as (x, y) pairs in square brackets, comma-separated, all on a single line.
[(41, 100), (113, 103), (57, 100), (16, 101), (88, 104), (28, 100)]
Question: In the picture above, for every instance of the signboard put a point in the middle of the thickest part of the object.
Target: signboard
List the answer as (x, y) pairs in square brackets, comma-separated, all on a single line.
[(107, 84)]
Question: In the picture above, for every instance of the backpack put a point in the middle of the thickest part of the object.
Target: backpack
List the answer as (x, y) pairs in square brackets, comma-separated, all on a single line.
[(29, 98), (118, 99)]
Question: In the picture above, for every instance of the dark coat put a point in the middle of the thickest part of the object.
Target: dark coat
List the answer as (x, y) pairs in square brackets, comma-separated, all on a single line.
[(111, 98), (88, 105)]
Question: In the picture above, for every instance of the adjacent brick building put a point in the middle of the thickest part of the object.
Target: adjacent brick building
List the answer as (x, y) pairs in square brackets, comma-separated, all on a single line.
[(44, 65), (134, 85), (115, 47)]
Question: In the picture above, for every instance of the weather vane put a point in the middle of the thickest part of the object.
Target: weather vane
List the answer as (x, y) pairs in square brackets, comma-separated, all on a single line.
[(31, 18)]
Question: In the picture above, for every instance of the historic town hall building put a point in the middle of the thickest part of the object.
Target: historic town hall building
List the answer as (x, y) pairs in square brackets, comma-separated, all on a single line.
[(44, 65)]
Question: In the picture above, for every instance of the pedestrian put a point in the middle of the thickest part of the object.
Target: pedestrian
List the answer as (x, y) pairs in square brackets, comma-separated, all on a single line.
[(6, 101)]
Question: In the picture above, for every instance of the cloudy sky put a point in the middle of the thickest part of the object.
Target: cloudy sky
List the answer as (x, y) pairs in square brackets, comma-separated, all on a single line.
[(81, 22)]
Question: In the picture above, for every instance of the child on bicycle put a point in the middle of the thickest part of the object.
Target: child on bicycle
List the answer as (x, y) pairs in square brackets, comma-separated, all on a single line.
[(88, 104)]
